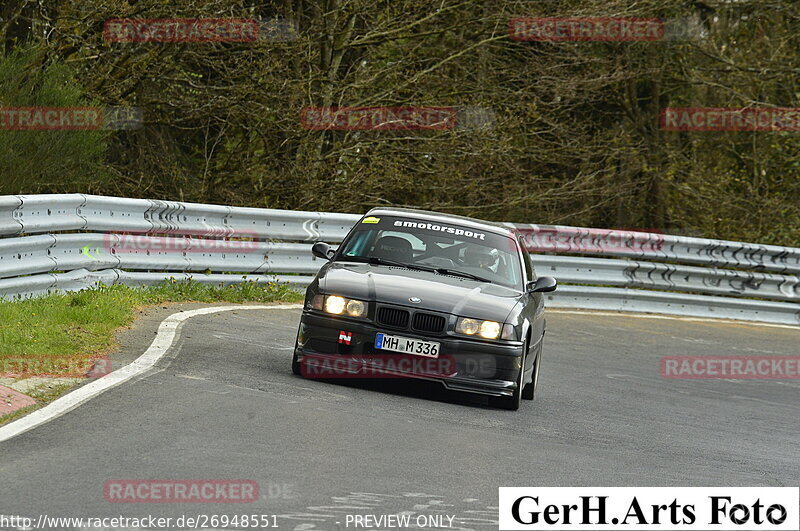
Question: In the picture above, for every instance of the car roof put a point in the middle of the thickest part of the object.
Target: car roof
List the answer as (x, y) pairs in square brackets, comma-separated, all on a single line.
[(429, 215)]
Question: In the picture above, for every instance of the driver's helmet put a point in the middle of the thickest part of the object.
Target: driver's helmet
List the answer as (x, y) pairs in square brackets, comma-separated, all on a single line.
[(481, 257)]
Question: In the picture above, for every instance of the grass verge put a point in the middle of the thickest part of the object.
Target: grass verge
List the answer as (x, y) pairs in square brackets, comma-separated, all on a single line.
[(81, 326)]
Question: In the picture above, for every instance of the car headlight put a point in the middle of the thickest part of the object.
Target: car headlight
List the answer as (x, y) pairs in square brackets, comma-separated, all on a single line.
[(335, 304), (341, 306), (355, 308), (484, 329), (467, 326), (489, 330)]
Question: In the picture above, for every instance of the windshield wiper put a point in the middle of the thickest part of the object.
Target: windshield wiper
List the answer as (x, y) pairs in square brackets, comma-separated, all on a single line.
[(374, 260), (456, 273)]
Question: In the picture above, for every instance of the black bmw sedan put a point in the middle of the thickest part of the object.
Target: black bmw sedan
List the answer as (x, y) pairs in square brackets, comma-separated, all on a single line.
[(419, 294)]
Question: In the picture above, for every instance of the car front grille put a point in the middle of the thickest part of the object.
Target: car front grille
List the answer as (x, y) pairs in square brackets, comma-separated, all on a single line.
[(393, 317), (428, 322)]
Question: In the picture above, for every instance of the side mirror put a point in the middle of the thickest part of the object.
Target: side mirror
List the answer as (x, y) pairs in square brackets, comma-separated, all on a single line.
[(542, 284), (322, 250)]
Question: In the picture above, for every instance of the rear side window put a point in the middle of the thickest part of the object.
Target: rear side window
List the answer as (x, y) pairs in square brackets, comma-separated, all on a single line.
[(529, 271)]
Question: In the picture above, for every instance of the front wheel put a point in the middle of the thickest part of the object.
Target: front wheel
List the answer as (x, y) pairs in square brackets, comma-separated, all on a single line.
[(529, 391), (512, 402), (295, 364)]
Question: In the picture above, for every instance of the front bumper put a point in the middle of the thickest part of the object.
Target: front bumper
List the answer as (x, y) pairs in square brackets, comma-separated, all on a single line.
[(484, 367)]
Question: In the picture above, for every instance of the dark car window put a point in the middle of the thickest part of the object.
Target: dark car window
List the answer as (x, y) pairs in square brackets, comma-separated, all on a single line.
[(530, 272), (441, 245), (417, 244)]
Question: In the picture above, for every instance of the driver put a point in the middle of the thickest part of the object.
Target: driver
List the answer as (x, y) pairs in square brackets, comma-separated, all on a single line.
[(481, 257)]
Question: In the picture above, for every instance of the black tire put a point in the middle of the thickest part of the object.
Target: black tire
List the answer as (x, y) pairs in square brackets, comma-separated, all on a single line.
[(529, 391), (512, 402), (295, 365)]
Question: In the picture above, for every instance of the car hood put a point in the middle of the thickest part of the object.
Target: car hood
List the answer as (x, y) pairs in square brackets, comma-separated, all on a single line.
[(395, 285)]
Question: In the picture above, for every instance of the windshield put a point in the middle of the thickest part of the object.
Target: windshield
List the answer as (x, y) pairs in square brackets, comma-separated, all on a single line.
[(444, 247)]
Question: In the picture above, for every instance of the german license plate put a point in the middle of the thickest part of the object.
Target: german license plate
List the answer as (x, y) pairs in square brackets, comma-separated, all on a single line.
[(407, 345)]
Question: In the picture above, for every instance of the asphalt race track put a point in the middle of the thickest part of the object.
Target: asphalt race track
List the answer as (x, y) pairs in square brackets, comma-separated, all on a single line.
[(224, 404)]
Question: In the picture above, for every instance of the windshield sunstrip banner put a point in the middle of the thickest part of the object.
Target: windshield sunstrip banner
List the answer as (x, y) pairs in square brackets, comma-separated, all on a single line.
[(436, 227), (384, 222)]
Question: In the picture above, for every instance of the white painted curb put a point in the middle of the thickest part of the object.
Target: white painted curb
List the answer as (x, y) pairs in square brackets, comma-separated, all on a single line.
[(167, 332)]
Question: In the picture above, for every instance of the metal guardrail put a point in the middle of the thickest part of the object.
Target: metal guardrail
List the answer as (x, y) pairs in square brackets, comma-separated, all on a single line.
[(659, 302), (661, 247), (656, 275), (74, 241), (37, 214)]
